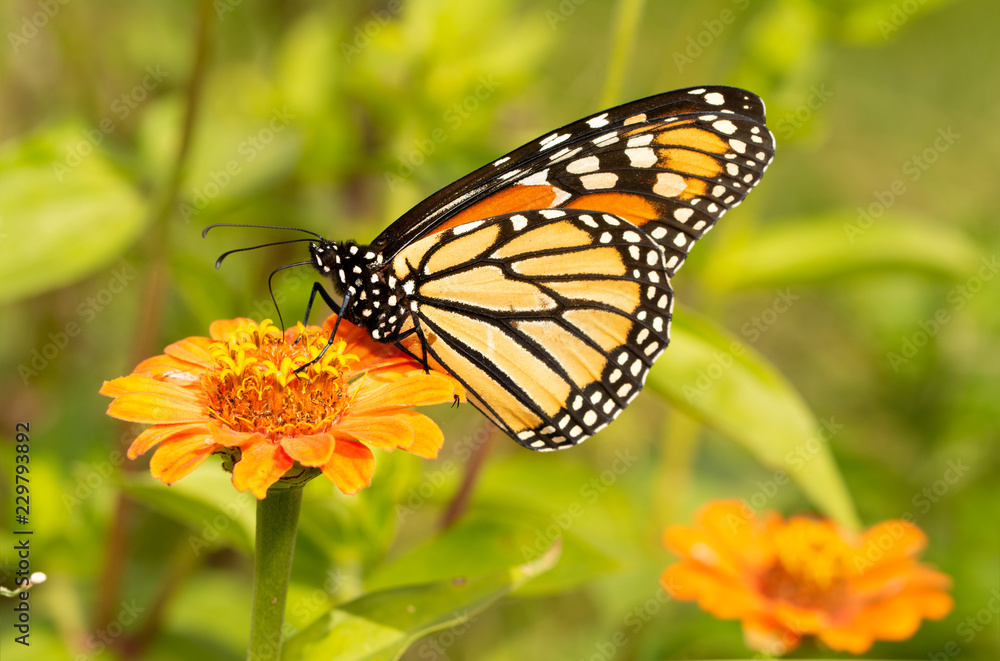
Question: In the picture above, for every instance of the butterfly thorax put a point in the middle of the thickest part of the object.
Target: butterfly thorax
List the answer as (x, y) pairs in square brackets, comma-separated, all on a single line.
[(359, 275)]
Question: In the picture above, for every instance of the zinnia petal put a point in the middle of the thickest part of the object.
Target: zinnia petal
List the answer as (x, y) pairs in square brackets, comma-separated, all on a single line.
[(719, 594), (386, 432), (221, 330), (351, 466), (162, 433), (422, 390), (427, 436), (162, 366), (225, 436), (847, 639), (181, 455), (699, 546), (737, 533), (152, 401), (310, 449), (192, 350), (261, 465)]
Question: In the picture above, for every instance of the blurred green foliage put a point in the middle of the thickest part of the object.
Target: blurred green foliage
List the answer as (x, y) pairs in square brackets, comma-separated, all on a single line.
[(859, 280)]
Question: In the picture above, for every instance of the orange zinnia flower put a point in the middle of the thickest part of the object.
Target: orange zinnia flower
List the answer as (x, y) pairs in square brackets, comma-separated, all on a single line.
[(237, 393), (787, 579)]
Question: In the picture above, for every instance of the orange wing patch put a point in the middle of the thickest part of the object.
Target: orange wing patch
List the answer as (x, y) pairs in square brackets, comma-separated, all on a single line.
[(508, 200), (690, 162), (506, 410), (633, 208), (488, 288), (597, 261), (581, 362), (621, 295), (693, 138), (549, 237), (607, 329), (464, 249), (506, 355)]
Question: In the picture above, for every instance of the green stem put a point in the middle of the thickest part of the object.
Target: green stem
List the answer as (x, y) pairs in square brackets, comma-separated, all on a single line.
[(676, 467), (626, 22), (277, 522)]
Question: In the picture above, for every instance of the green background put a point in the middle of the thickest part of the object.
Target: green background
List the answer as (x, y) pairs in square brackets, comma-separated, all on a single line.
[(858, 283)]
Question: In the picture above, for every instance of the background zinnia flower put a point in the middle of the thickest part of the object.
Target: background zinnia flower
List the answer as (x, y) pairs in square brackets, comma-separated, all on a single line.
[(787, 579), (237, 393)]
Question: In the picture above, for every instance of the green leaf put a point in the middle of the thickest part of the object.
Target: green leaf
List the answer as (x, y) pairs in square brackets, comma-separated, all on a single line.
[(65, 212), (840, 245), (195, 502), (379, 626), (731, 388), (485, 541)]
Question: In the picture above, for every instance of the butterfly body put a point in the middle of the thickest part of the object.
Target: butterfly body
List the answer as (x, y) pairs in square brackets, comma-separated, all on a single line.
[(542, 280)]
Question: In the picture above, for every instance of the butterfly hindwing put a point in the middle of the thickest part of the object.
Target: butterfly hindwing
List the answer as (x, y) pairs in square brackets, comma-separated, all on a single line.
[(551, 318)]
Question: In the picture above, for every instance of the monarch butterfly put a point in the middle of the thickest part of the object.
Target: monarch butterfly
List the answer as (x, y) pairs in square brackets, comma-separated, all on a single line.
[(542, 280)]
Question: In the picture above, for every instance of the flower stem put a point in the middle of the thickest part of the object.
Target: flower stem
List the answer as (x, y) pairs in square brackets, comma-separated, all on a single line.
[(627, 18), (148, 325), (277, 522)]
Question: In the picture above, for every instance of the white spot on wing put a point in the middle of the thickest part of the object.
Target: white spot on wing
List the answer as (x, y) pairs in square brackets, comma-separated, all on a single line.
[(565, 153), (606, 139), (669, 184), (467, 227), (641, 157), (724, 126), (553, 140), (598, 122), (715, 98), (584, 165), (537, 179), (599, 180)]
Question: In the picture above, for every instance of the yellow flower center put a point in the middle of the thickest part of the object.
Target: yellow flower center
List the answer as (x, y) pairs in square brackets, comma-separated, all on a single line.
[(254, 386), (811, 567)]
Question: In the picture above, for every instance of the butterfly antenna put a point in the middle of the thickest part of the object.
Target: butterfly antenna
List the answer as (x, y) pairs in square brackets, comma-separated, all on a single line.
[(270, 288), (218, 262), (204, 232)]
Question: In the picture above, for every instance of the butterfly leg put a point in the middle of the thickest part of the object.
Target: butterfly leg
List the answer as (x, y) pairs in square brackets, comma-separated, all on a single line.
[(339, 309), (319, 289)]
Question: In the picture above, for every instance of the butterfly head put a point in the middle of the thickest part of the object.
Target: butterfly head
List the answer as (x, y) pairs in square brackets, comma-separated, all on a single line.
[(347, 264)]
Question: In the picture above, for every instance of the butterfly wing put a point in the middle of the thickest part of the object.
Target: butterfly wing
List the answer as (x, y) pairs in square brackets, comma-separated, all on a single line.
[(671, 164), (551, 318)]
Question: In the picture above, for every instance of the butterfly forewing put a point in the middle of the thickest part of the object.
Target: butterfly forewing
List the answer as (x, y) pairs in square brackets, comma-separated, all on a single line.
[(676, 160), (551, 318)]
